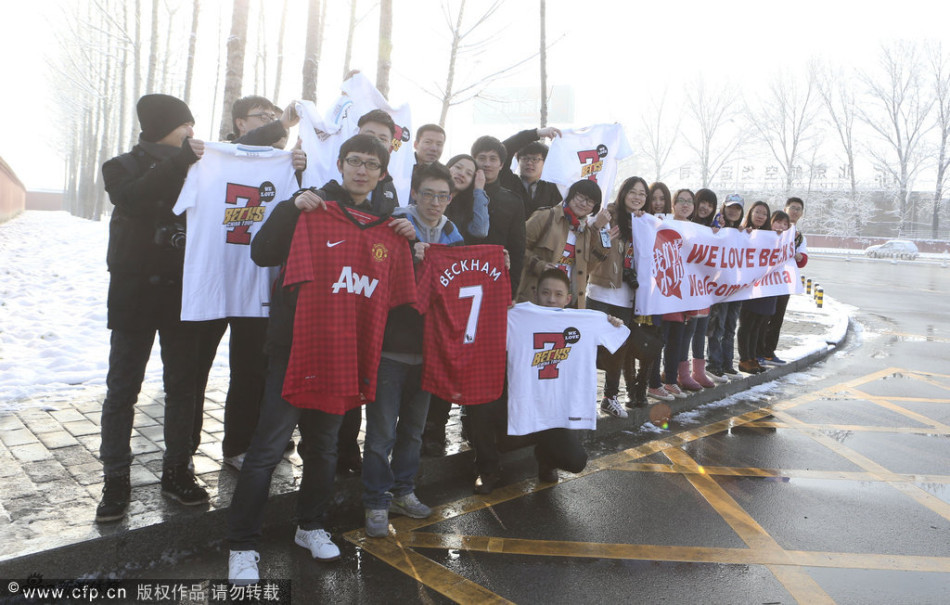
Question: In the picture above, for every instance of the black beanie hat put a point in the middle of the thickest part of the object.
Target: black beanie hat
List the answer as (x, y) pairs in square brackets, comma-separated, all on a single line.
[(587, 188), (161, 114)]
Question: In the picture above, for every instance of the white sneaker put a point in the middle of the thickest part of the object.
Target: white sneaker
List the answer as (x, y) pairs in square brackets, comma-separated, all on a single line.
[(613, 407), (318, 541), (235, 462), (242, 567)]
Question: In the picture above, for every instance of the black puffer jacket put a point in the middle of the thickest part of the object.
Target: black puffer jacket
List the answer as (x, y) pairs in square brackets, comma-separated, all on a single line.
[(144, 262)]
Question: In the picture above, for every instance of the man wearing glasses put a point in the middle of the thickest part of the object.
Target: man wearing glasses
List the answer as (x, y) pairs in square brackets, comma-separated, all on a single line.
[(395, 421), (530, 152), (257, 121), (362, 162)]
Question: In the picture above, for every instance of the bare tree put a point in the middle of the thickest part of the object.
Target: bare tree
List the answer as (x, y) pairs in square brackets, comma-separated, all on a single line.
[(939, 64), (385, 63), (217, 75), (461, 32), (785, 120), (898, 112), (280, 52), (152, 50), (717, 135), (836, 90), (192, 42), (349, 38), (544, 66), (137, 67), (234, 74), (311, 59), (660, 133)]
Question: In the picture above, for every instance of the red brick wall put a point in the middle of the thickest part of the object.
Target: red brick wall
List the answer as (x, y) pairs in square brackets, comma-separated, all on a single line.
[(12, 193)]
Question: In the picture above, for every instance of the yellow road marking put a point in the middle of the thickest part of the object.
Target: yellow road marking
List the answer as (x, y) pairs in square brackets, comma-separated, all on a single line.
[(678, 554), (798, 583), (786, 565), (424, 570), (885, 402), (854, 428)]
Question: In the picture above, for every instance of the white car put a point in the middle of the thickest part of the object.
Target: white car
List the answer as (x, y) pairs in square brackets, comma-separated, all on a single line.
[(895, 248)]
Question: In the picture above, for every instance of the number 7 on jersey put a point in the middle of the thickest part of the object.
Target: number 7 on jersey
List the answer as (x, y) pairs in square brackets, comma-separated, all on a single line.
[(471, 327)]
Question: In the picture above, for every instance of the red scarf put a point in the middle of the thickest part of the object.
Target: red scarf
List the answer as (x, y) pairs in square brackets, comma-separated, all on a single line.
[(571, 217)]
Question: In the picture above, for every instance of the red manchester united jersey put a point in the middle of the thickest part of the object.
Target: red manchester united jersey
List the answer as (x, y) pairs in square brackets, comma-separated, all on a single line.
[(464, 292), (352, 269)]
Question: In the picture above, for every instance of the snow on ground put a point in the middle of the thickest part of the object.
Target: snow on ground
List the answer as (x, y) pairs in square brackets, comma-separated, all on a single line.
[(53, 286)]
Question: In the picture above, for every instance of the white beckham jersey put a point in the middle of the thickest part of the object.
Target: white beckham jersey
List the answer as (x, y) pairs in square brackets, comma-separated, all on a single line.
[(322, 135), (586, 153), (552, 366), (228, 194)]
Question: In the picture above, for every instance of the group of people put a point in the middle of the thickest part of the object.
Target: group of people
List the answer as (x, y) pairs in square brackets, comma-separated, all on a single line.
[(612, 288), (321, 356)]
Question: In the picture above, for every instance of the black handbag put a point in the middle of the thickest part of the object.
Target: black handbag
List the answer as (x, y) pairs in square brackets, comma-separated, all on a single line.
[(643, 343)]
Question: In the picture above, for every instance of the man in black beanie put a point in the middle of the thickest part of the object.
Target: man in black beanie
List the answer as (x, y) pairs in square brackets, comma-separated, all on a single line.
[(145, 259)]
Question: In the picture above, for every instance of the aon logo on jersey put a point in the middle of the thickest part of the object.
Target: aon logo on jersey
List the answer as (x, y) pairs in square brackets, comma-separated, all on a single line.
[(355, 283)]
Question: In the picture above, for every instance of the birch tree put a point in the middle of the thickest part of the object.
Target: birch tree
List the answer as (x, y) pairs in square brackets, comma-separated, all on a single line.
[(311, 60), (234, 73), (192, 43), (384, 62)]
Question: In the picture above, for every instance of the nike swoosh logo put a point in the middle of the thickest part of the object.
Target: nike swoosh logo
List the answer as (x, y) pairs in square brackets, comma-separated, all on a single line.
[(329, 245)]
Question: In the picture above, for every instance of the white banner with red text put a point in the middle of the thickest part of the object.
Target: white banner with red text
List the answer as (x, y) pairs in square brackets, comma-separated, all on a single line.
[(684, 266)]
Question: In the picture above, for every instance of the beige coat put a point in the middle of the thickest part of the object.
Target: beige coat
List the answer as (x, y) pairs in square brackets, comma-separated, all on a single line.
[(545, 238)]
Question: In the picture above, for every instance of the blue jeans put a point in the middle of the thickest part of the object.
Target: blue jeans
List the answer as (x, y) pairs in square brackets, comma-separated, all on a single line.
[(394, 425), (275, 426), (128, 356), (723, 318)]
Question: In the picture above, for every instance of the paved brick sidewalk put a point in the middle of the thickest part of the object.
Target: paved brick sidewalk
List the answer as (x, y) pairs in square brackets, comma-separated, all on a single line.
[(51, 479)]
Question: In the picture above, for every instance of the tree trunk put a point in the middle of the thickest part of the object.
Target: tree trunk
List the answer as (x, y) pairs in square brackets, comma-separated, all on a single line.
[(136, 71), (234, 75), (123, 89), (349, 38), (192, 42), (217, 77), (311, 59), (450, 77), (384, 62), (152, 50), (544, 68), (280, 54)]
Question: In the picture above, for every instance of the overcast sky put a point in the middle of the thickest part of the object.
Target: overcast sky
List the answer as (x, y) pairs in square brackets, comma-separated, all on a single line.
[(614, 53)]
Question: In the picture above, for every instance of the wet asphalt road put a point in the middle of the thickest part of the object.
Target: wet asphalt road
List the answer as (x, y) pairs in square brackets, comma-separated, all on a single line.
[(830, 486)]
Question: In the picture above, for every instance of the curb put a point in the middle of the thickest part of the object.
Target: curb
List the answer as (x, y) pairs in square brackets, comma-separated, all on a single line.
[(123, 550)]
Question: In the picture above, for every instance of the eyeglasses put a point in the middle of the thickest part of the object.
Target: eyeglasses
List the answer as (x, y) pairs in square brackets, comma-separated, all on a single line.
[(584, 200), (427, 195), (355, 162), (530, 159), (263, 117), (684, 200), (636, 193)]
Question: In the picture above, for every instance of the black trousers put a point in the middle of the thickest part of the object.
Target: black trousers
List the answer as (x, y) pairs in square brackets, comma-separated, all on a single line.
[(773, 328), (248, 363), (488, 433)]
